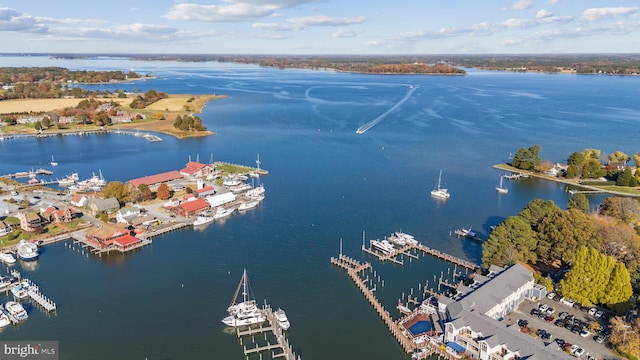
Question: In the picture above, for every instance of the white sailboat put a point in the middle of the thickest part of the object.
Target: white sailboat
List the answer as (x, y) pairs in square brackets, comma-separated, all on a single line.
[(246, 312), (53, 162), (440, 192), (501, 189)]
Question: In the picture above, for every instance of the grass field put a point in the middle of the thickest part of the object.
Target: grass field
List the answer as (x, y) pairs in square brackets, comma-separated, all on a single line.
[(40, 105)]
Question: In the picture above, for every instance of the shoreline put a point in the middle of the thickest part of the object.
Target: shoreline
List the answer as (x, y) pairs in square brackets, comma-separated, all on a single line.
[(576, 182)]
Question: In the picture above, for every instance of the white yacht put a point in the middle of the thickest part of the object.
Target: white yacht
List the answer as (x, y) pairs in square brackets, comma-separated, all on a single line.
[(202, 220), (231, 181), (408, 239), (440, 192), (27, 250), (248, 205), (281, 316), (398, 240), (382, 245), (256, 192), (4, 319), (7, 258), (222, 212), (20, 291), (16, 311), (246, 312)]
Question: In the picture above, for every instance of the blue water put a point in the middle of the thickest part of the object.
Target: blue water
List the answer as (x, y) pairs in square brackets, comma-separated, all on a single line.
[(326, 183)]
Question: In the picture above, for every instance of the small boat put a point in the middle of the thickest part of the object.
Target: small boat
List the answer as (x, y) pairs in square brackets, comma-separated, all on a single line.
[(382, 245), (439, 192), (7, 258), (222, 212), (409, 239), (16, 311), (403, 309), (467, 233), (53, 162), (281, 316), (27, 250), (397, 240), (501, 189), (202, 220), (4, 319), (256, 192), (248, 205)]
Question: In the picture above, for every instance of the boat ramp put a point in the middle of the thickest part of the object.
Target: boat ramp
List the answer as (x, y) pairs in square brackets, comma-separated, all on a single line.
[(280, 346)]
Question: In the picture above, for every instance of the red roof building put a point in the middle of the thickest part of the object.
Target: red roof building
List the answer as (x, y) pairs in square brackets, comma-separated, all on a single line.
[(205, 191), (157, 179), (195, 169), (191, 208), (126, 243)]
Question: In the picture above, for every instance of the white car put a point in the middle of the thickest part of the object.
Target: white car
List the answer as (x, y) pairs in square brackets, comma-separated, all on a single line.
[(599, 313), (551, 310), (578, 352), (585, 333), (551, 295), (543, 307), (592, 311)]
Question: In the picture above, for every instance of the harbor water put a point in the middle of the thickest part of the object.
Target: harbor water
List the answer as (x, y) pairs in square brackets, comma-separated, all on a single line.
[(325, 183)]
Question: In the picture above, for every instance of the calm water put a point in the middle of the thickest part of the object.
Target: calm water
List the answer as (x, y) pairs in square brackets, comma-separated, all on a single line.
[(326, 183)]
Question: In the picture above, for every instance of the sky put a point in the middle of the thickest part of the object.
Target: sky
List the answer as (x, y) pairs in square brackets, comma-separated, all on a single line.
[(320, 26)]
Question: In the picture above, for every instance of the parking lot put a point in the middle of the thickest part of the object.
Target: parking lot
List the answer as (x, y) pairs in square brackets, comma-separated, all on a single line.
[(568, 330)]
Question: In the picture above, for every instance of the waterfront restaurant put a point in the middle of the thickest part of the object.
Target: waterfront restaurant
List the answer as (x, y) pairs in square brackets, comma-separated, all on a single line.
[(126, 243), (104, 236)]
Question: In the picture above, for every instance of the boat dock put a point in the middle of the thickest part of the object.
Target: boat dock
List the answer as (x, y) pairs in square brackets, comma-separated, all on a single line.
[(281, 346), (354, 267), (515, 176), (406, 250), (36, 296), (163, 230)]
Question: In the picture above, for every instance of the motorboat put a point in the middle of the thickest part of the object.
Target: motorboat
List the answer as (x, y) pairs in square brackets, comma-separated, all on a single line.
[(248, 205), (222, 212), (283, 321), (27, 250), (202, 220), (7, 258), (246, 312), (4, 319), (408, 239), (16, 311), (440, 192), (231, 181), (403, 309), (20, 291), (256, 192), (382, 245)]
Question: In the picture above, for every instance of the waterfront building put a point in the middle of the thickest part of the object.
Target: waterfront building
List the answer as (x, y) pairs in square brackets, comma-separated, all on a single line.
[(473, 320), (5, 228), (153, 181), (191, 208), (105, 235), (124, 214), (194, 170), (205, 191)]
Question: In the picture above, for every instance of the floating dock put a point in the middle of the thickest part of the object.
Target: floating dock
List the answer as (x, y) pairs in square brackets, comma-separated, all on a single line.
[(405, 250)]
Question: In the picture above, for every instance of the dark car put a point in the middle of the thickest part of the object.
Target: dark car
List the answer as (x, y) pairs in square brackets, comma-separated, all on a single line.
[(560, 342), (558, 322), (523, 322), (599, 339), (549, 318), (576, 329), (535, 312)]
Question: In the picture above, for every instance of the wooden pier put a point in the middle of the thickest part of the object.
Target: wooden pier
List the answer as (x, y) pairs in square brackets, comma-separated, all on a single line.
[(354, 267), (163, 230), (405, 250), (281, 347)]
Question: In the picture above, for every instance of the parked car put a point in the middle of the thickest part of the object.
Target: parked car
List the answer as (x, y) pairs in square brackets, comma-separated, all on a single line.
[(599, 339), (592, 311), (551, 295), (549, 318), (578, 352), (563, 315), (551, 310), (535, 312), (523, 322), (599, 313), (585, 333), (543, 307)]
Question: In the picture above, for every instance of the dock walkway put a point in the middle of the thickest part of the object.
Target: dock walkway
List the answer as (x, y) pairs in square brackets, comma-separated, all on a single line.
[(405, 250), (281, 348)]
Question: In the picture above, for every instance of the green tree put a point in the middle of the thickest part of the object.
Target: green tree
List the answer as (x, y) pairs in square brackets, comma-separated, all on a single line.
[(588, 279), (116, 189), (578, 201), (618, 289), (592, 169), (626, 178), (572, 172), (636, 159), (147, 195), (576, 158), (527, 159), (510, 242), (618, 156), (536, 210), (561, 233)]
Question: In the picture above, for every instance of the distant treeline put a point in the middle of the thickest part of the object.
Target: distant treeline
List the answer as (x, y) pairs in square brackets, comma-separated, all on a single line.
[(13, 75)]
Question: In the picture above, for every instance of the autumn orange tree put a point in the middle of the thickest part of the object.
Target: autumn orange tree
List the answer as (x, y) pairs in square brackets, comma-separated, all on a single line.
[(163, 192)]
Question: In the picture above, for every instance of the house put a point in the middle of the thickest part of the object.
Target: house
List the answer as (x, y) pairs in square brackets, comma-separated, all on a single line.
[(126, 213), (53, 214), (5, 228), (473, 326), (178, 187), (78, 200), (195, 169), (191, 208), (157, 179), (30, 221), (97, 206), (616, 165)]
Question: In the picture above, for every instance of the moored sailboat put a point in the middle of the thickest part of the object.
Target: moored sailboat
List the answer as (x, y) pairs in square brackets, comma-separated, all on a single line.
[(501, 189), (246, 312), (440, 192)]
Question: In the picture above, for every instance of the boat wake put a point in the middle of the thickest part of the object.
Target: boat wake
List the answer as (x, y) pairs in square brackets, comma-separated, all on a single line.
[(364, 128)]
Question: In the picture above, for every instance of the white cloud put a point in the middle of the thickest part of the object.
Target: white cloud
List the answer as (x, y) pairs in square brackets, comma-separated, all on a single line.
[(521, 5), (343, 33), (543, 13), (230, 10), (308, 21), (553, 2), (11, 20), (595, 14)]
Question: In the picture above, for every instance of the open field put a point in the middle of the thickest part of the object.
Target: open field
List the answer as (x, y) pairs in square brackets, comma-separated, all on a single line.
[(170, 108), (39, 105)]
